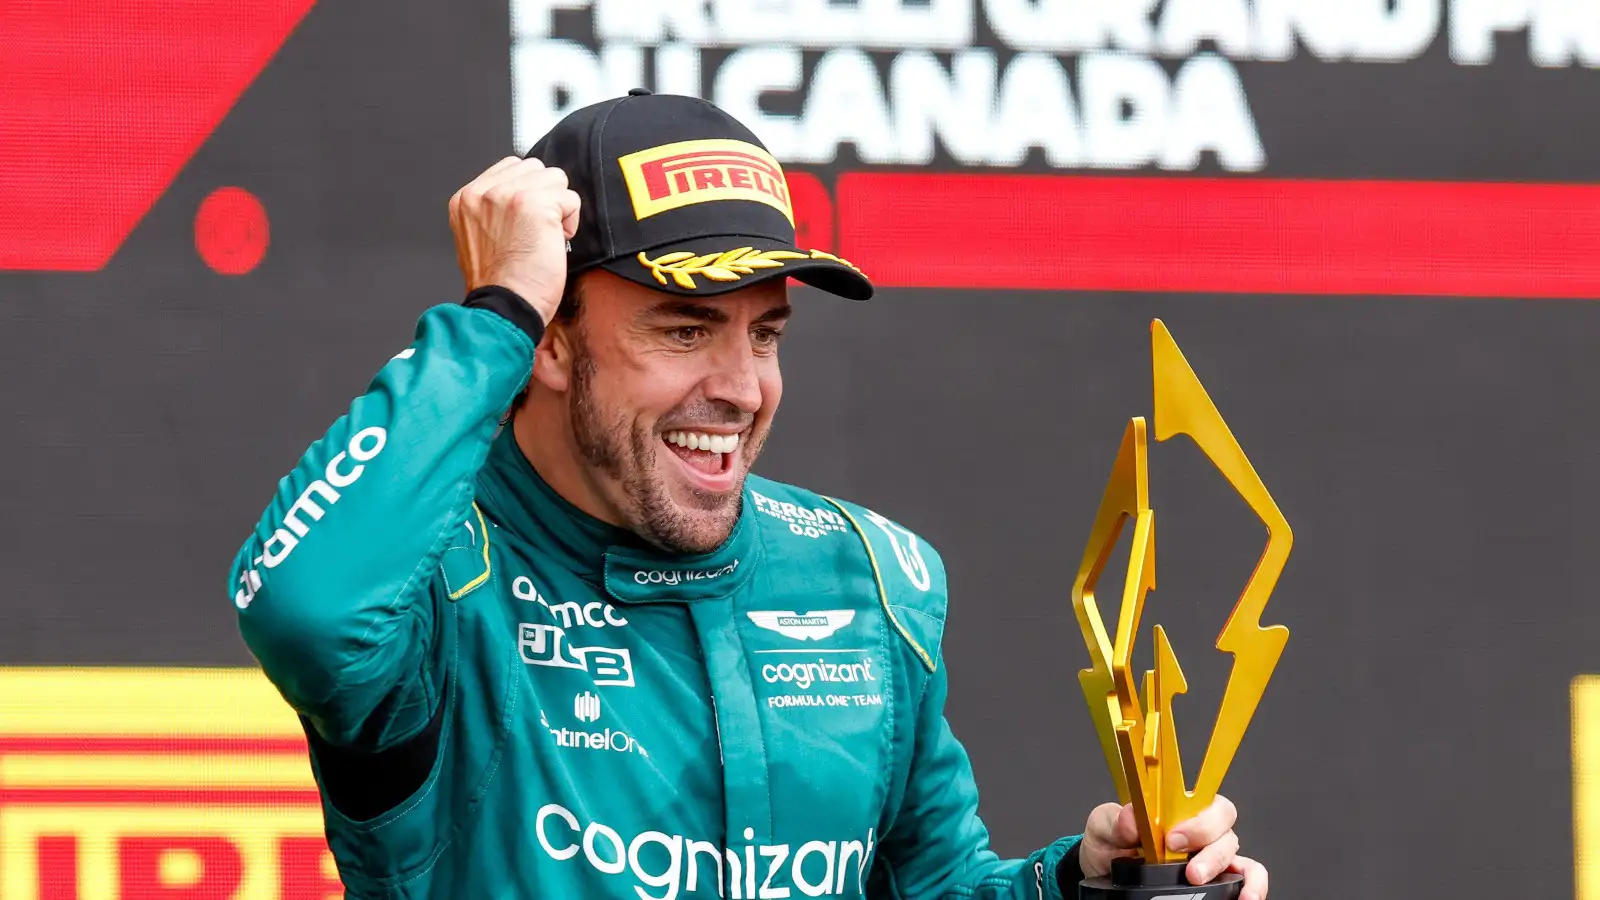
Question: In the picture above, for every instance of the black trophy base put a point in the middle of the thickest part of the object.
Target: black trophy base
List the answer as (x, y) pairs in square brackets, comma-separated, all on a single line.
[(1135, 879)]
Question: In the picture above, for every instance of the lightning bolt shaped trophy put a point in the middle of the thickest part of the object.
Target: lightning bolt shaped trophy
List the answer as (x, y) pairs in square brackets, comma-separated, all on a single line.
[(1136, 728)]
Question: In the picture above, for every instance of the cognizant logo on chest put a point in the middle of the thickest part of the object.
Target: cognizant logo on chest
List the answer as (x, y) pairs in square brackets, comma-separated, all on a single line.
[(665, 865), (826, 676), (805, 674)]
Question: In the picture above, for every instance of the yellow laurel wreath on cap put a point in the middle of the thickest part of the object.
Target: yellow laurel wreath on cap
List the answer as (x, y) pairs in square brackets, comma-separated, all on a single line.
[(820, 254), (729, 266)]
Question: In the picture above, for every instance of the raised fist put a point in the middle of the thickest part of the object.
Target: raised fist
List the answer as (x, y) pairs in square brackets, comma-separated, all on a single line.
[(511, 226)]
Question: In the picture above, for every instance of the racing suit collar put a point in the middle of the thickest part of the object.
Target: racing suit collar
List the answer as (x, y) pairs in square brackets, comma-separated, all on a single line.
[(514, 495), (635, 575)]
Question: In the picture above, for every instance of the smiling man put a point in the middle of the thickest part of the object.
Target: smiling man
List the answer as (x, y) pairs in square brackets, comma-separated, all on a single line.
[(547, 634)]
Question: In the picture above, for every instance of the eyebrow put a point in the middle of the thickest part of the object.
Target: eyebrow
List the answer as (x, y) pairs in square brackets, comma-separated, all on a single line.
[(701, 312), (687, 310), (775, 314)]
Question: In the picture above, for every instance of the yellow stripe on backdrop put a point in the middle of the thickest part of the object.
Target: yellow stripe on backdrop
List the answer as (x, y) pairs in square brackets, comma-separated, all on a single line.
[(126, 770), (134, 702), (134, 783), (1586, 785)]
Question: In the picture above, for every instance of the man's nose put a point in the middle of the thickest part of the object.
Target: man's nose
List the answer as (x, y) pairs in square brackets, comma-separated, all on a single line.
[(735, 379)]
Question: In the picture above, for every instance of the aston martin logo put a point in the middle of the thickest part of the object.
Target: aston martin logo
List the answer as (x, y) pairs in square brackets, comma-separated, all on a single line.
[(811, 626)]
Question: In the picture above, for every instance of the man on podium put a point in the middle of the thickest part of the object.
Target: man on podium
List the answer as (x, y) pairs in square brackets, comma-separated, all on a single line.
[(547, 634)]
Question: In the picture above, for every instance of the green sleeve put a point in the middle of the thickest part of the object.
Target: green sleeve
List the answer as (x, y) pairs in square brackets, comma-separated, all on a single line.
[(938, 847), (336, 587)]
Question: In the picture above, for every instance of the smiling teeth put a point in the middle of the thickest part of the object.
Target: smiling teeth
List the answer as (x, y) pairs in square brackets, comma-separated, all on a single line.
[(696, 440)]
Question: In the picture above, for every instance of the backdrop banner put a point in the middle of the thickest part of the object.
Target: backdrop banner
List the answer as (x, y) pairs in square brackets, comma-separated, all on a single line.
[(156, 783), (1374, 227)]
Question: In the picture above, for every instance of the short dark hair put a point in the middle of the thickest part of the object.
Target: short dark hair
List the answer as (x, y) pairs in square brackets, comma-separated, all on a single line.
[(571, 302), (566, 316)]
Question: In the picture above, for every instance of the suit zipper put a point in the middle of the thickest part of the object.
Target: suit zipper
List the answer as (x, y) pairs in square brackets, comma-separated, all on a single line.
[(1038, 878), (716, 728)]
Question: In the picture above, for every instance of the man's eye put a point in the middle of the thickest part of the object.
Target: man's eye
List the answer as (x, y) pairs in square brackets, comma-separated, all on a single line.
[(687, 334), (766, 337)]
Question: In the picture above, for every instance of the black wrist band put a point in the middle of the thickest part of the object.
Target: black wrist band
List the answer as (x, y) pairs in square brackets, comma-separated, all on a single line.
[(509, 305), (1069, 872)]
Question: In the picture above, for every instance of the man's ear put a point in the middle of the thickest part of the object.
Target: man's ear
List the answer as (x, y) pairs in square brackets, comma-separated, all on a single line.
[(552, 361)]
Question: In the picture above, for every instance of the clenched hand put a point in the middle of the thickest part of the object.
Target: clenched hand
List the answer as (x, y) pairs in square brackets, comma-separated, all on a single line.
[(511, 226)]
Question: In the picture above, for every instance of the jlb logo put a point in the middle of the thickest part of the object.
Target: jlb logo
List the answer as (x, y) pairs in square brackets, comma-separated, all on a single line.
[(688, 172), (547, 645)]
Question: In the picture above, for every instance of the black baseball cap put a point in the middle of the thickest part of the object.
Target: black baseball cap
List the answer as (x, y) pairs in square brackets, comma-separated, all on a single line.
[(679, 196)]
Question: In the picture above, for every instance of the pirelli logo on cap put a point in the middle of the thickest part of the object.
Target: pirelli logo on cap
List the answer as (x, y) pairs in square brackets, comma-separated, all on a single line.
[(677, 175)]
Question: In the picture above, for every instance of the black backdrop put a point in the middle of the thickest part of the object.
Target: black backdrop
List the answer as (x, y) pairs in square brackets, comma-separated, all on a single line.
[(1435, 456)]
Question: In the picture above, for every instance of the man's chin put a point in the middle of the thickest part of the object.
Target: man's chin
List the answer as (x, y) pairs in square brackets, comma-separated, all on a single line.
[(685, 514), (704, 518)]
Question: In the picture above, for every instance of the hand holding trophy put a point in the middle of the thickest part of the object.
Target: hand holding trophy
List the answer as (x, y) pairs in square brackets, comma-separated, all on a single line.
[(1137, 731)]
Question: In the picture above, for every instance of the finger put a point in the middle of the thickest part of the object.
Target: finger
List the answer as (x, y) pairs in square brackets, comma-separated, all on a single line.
[(1102, 824), (1101, 843), (470, 194), (1213, 859), (504, 163), (1255, 878), (555, 177), (512, 174), (498, 167), (533, 174), (570, 204), (1212, 823), (528, 182), (509, 175), (1127, 827)]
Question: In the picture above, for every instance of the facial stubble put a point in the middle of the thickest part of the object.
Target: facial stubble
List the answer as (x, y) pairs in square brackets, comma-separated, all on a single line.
[(626, 451)]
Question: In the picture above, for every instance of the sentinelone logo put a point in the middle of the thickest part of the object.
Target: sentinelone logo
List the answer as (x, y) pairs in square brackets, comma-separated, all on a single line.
[(155, 783), (1092, 85), (142, 91)]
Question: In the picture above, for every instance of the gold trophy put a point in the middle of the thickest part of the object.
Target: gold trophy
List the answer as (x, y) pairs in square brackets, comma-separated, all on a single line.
[(1137, 730)]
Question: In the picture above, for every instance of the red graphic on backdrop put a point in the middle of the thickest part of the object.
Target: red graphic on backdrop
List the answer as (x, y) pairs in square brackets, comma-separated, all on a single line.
[(813, 211), (104, 103), (1222, 235), (231, 231)]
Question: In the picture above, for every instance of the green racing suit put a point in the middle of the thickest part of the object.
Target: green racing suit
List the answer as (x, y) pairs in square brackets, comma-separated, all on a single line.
[(505, 697)]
